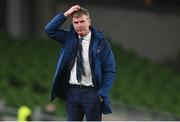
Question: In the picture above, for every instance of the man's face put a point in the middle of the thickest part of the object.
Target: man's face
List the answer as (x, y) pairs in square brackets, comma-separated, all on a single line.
[(81, 25)]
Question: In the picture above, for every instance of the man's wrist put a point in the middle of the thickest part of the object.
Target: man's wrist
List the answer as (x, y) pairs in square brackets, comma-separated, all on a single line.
[(66, 14)]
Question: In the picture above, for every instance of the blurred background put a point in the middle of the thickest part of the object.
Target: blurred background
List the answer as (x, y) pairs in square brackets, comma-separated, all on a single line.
[(144, 35)]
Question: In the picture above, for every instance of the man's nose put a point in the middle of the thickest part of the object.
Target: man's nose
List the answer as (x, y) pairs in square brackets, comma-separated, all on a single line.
[(79, 24)]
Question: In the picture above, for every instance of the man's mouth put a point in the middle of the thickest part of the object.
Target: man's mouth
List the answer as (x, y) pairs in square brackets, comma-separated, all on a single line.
[(80, 30)]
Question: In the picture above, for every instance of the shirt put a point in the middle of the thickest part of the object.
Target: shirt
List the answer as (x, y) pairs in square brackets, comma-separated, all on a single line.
[(86, 80)]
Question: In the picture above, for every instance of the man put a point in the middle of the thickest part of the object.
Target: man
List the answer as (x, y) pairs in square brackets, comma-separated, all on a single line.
[(86, 66)]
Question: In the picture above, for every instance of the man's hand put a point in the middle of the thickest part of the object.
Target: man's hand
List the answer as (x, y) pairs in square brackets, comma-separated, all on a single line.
[(71, 10)]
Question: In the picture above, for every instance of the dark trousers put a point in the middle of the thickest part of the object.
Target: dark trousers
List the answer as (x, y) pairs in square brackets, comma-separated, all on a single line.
[(83, 101)]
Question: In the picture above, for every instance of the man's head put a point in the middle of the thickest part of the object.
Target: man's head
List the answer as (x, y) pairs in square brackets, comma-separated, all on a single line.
[(81, 21)]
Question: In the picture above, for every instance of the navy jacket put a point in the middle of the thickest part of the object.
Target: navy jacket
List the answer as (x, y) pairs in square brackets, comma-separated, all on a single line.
[(101, 61)]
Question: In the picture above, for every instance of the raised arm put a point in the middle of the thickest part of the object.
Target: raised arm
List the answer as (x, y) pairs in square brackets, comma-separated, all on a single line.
[(52, 28)]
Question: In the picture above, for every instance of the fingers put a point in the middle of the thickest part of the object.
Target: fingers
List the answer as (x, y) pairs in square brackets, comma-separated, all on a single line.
[(72, 10), (76, 7)]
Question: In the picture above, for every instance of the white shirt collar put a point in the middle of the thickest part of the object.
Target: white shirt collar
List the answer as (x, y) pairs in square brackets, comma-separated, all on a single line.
[(87, 37)]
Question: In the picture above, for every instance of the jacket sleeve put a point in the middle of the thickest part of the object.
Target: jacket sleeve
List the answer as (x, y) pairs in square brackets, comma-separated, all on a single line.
[(108, 70), (53, 31)]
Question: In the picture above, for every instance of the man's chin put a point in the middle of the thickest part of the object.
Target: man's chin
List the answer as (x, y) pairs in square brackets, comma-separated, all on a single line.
[(81, 34)]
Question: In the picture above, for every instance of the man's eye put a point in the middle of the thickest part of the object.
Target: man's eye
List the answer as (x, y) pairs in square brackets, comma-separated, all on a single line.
[(75, 22)]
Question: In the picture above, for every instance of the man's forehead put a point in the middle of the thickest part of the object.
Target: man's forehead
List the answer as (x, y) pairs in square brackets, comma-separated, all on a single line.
[(82, 17)]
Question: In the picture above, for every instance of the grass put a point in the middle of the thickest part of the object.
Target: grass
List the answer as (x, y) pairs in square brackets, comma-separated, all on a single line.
[(27, 67)]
